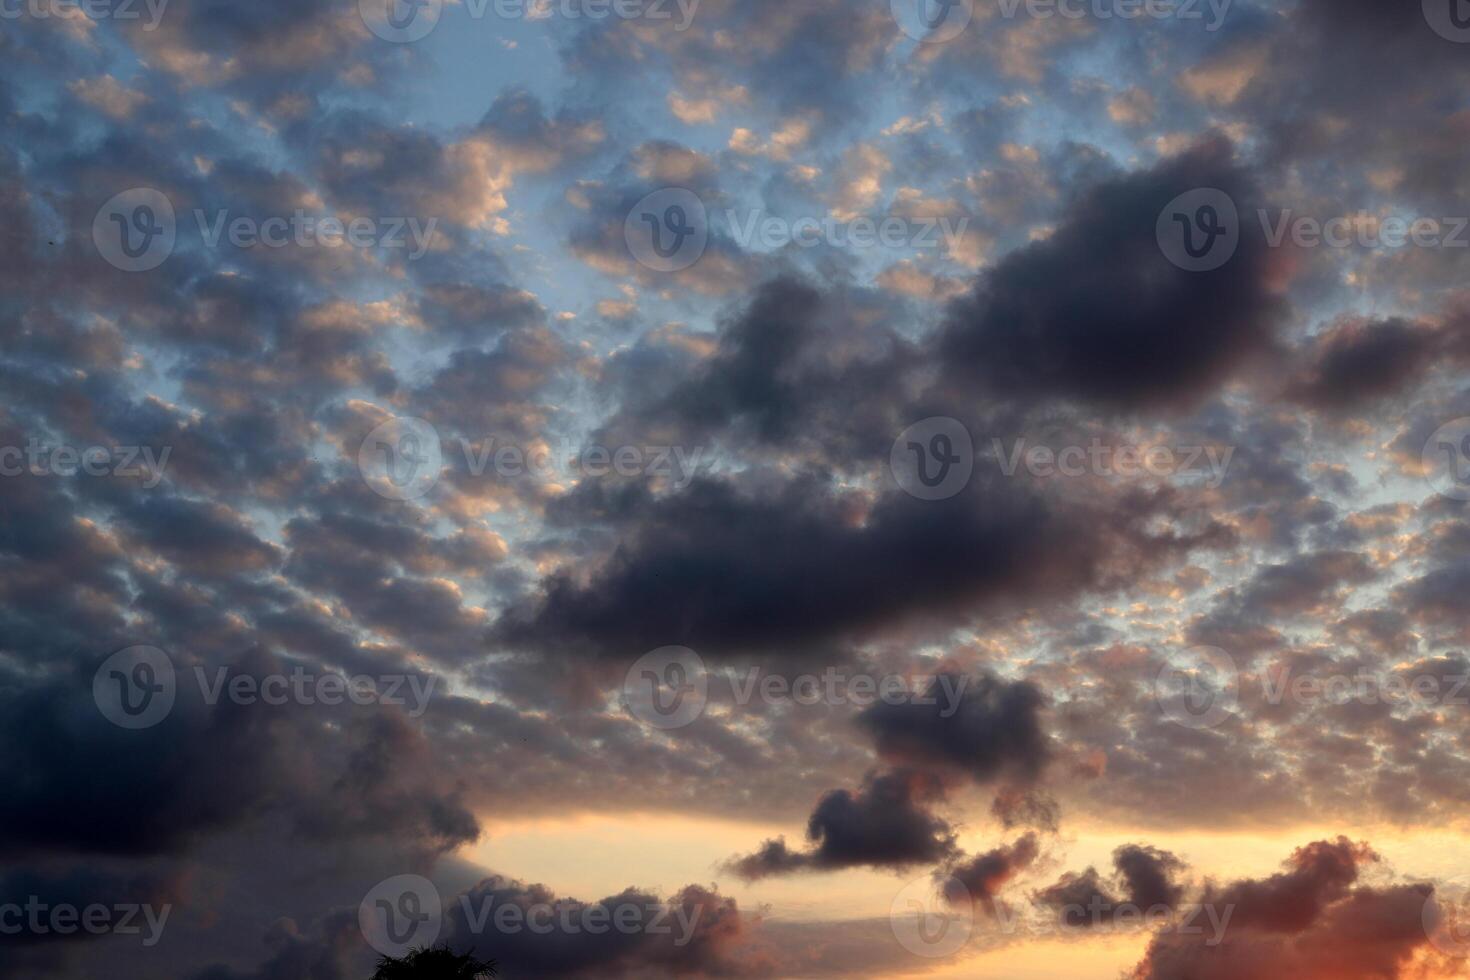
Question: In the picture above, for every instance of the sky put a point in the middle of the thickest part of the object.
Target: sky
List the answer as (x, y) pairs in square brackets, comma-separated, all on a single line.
[(735, 488)]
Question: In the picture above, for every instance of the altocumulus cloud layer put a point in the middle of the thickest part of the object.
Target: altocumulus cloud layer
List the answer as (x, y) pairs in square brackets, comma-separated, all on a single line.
[(1064, 410)]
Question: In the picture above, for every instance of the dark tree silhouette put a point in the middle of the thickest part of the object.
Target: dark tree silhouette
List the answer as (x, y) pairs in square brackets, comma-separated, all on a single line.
[(433, 963)]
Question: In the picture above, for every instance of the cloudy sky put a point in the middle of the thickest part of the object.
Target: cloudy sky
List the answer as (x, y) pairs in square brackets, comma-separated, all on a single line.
[(735, 488)]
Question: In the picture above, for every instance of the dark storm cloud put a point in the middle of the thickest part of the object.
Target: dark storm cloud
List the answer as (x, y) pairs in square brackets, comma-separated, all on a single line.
[(1096, 313), (995, 731), (885, 824), (795, 367), (1309, 921), (981, 879), (1145, 879), (694, 933), (328, 955), (723, 570), (1359, 361), (206, 768)]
